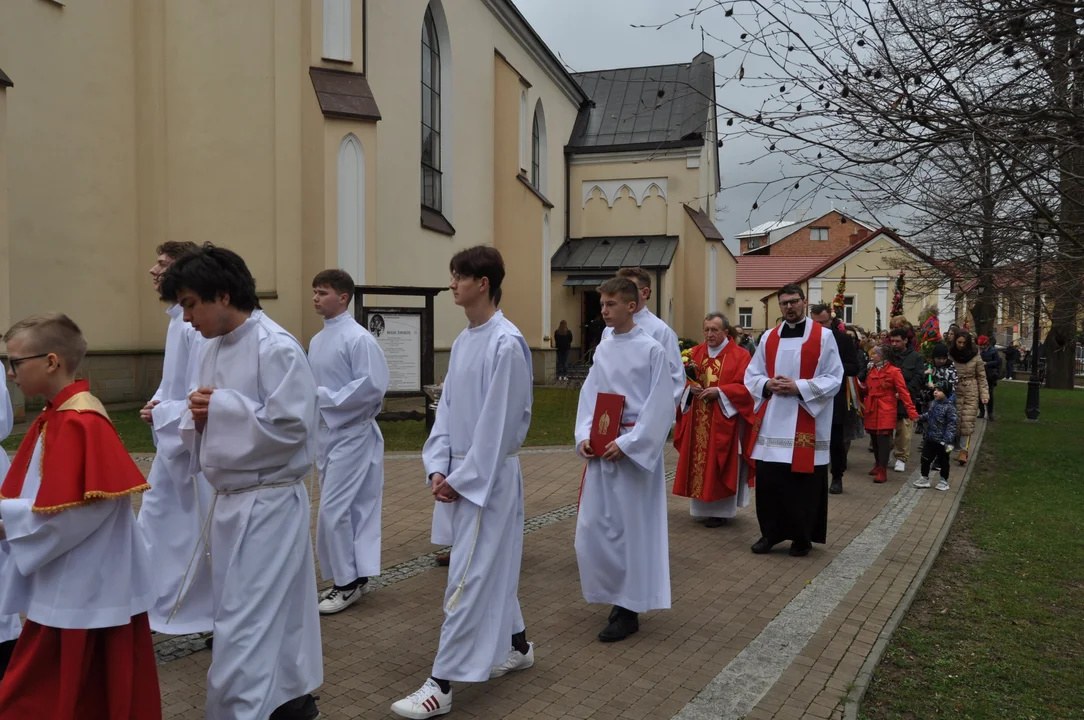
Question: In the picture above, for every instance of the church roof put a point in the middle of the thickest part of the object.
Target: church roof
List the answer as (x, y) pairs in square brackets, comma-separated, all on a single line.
[(651, 252), (654, 107)]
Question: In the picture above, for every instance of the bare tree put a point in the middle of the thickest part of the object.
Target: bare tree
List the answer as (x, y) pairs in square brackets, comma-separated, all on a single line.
[(961, 120)]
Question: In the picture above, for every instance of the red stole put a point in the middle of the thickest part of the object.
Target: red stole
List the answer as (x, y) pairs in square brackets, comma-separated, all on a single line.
[(82, 458), (805, 433), (706, 440)]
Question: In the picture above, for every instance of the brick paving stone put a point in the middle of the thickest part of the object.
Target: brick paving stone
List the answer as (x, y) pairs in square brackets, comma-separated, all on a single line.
[(723, 597)]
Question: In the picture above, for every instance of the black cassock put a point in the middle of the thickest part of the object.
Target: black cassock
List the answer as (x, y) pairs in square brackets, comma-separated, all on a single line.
[(790, 505)]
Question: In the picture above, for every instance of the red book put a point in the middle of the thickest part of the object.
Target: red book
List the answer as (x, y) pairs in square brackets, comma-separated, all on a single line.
[(606, 424)]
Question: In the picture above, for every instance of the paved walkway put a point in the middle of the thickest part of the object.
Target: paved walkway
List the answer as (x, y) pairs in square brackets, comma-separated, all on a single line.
[(749, 636)]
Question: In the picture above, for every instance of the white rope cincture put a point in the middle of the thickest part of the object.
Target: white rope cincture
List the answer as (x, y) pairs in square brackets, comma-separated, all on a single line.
[(457, 595), (204, 540), (453, 601)]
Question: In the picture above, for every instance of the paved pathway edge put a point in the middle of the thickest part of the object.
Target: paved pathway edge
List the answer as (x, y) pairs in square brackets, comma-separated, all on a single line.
[(865, 675)]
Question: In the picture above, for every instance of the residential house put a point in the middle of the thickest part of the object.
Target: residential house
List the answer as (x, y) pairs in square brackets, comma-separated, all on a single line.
[(823, 236), (872, 266)]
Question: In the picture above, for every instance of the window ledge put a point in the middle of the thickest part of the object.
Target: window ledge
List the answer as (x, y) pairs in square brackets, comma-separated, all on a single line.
[(435, 221), (545, 202)]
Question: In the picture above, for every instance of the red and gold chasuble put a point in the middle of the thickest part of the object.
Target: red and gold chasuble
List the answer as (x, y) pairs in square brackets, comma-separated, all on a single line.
[(707, 440), (805, 433), (82, 458)]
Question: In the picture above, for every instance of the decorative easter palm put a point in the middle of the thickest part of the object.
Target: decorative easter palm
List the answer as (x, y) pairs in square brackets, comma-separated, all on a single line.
[(897, 298)]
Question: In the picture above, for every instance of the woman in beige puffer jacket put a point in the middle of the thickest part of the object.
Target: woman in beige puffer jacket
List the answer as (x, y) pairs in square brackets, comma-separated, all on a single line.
[(970, 390)]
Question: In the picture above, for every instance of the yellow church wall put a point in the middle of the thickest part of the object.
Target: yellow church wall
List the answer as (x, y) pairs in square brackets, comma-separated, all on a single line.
[(394, 76), (5, 263), (72, 187)]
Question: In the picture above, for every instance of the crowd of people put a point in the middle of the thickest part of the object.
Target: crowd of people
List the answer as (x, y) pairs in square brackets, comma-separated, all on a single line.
[(222, 545)]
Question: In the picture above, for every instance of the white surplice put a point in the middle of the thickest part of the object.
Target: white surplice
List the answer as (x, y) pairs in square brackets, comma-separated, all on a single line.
[(77, 569), (10, 625), (727, 507), (657, 329), (172, 512), (482, 419), (352, 377), (775, 442), (622, 545), (254, 451)]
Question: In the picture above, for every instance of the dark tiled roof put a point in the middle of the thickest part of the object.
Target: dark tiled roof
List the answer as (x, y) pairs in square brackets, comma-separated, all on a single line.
[(5, 81), (658, 106), (344, 94), (613, 253), (707, 227)]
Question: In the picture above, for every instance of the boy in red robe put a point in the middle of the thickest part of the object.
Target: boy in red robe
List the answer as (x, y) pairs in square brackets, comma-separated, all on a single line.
[(713, 462), (76, 567)]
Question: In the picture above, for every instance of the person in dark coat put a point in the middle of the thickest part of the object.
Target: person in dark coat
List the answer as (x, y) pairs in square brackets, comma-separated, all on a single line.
[(848, 355), (913, 367), (1012, 357), (939, 434), (991, 358)]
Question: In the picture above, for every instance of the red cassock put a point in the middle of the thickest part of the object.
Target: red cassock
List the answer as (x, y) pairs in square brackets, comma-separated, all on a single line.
[(706, 440), (89, 674)]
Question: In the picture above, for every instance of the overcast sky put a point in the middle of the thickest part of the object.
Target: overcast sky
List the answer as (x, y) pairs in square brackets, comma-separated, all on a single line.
[(598, 34)]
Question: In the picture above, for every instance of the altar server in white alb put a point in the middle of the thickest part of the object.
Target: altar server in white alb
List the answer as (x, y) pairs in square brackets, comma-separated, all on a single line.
[(471, 460), (793, 379), (249, 426), (173, 511), (655, 327), (351, 377), (621, 530), (10, 625)]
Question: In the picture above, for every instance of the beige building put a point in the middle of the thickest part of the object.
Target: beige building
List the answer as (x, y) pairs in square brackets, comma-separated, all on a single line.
[(376, 136), (643, 181), (872, 266)]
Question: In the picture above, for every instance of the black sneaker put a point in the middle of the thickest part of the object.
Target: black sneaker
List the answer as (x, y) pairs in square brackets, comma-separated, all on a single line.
[(626, 623)]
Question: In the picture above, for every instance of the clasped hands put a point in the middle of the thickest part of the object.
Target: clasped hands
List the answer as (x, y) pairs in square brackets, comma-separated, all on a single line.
[(782, 385), (613, 451), (199, 402), (442, 491)]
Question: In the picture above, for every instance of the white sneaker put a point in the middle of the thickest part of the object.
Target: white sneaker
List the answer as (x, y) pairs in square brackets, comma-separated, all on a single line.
[(901, 466), (922, 482), (516, 661), (942, 484), (428, 701), (322, 595), (338, 600)]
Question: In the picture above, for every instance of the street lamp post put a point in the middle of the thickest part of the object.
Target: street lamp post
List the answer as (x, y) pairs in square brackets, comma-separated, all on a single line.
[(1031, 409)]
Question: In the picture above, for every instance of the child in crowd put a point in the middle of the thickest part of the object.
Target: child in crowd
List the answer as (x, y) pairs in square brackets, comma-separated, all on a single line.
[(883, 386), (940, 371), (939, 435)]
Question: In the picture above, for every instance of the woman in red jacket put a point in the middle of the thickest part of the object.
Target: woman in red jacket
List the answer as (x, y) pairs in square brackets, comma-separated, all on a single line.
[(884, 385)]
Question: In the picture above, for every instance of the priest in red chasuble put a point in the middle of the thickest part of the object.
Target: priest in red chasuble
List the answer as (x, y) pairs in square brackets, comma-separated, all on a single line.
[(715, 417), (75, 564)]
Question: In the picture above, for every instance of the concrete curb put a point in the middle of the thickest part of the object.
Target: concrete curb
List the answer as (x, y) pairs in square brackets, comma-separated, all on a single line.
[(865, 674)]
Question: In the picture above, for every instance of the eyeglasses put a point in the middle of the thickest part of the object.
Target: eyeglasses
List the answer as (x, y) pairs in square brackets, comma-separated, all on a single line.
[(789, 303), (14, 362)]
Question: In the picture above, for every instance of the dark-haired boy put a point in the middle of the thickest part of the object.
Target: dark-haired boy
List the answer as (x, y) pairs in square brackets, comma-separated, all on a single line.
[(621, 536), (351, 377), (172, 513), (76, 567), (472, 461), (248, 426)]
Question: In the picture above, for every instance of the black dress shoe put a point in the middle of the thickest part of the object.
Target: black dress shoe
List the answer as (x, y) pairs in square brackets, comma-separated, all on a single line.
[(625, 624), (302, 708), (762, 546), (615, 611), (800, 550), (836, 487), (715, 522)]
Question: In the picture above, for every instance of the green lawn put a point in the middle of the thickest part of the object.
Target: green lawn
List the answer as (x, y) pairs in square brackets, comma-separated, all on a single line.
[(997, 630), (552, 419), (551, 424)]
